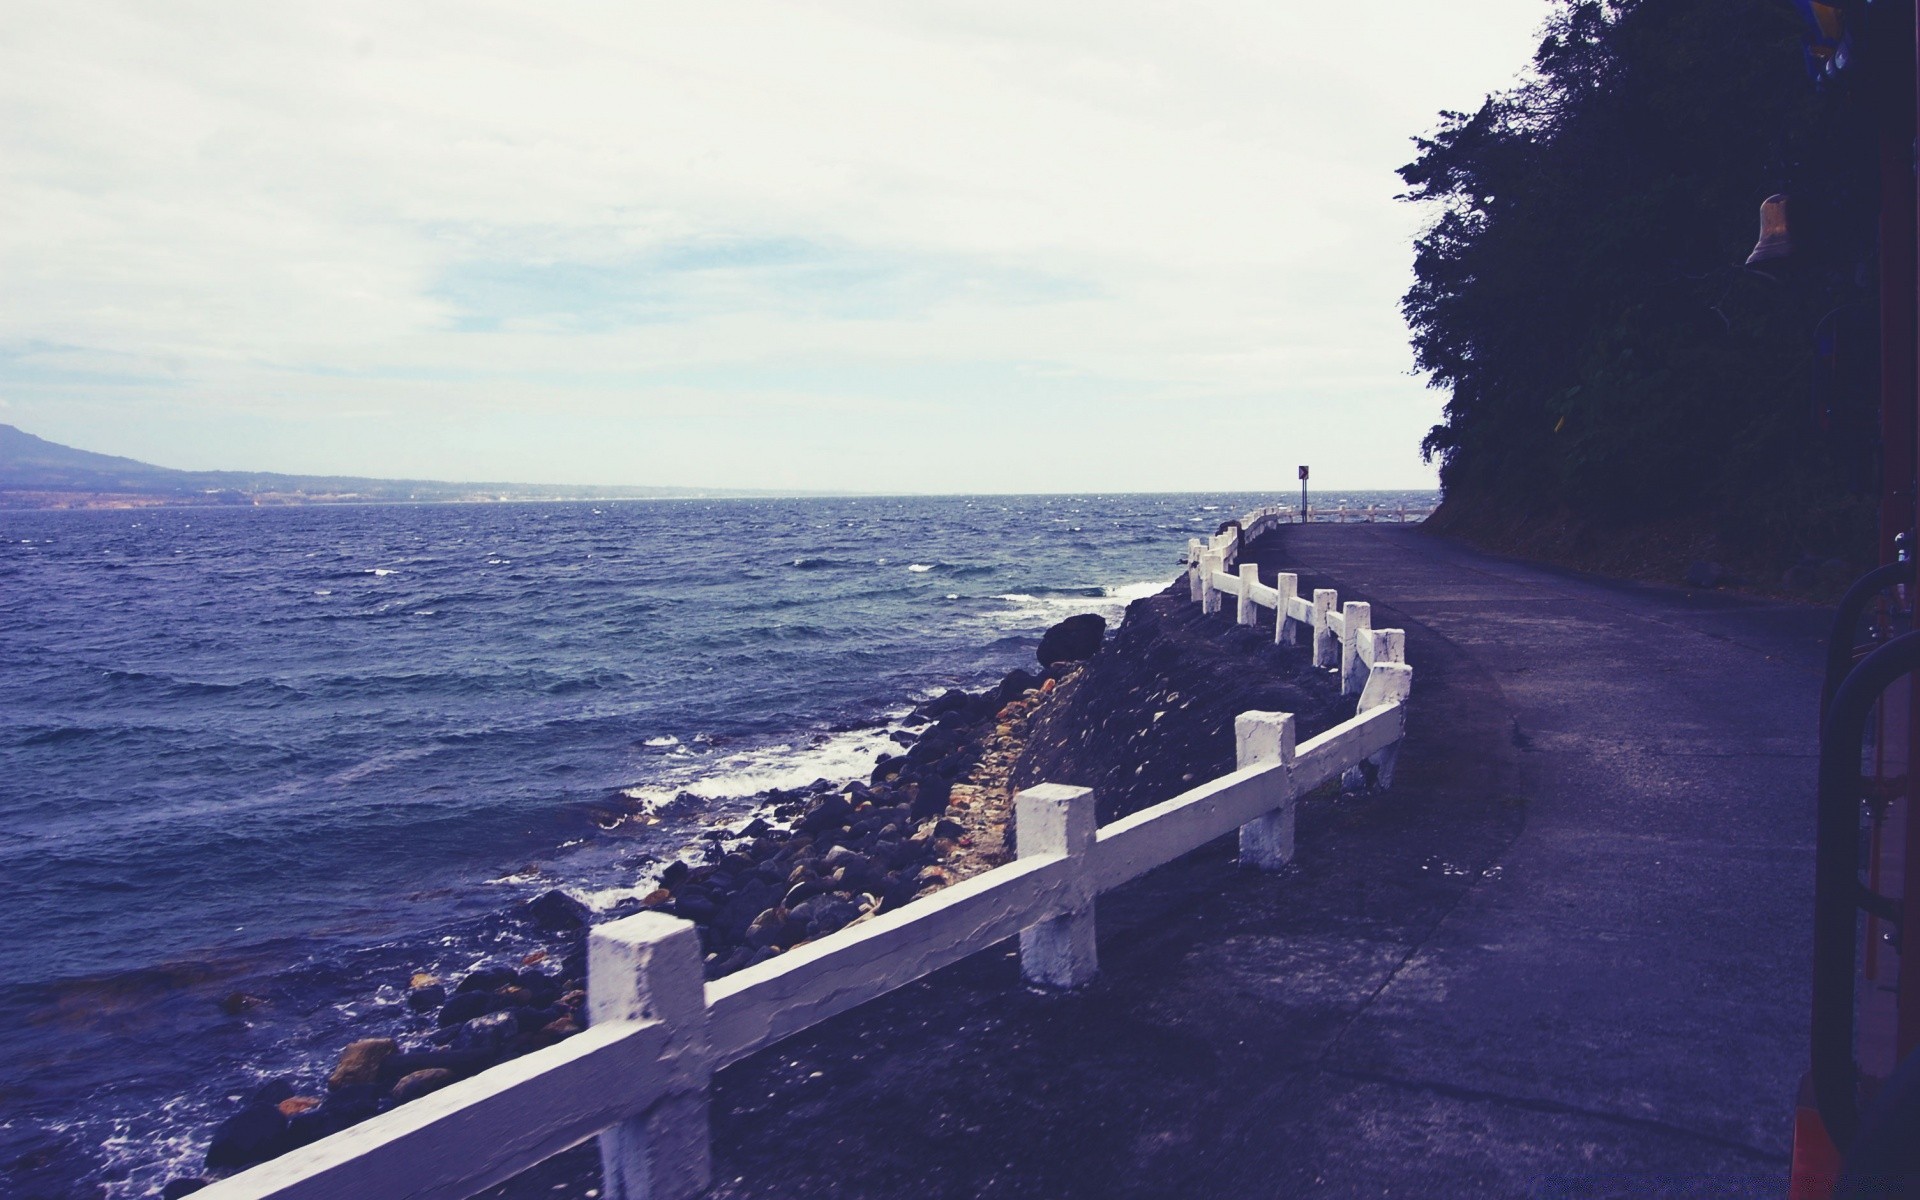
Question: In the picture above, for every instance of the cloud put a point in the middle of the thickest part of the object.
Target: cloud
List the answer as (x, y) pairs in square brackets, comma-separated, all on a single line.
[(592, 241)]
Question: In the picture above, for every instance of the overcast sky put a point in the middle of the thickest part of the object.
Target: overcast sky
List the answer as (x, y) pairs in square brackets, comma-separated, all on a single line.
[(881, 245)]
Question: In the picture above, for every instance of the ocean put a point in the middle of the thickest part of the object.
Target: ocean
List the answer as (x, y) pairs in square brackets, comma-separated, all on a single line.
[(258, 765)]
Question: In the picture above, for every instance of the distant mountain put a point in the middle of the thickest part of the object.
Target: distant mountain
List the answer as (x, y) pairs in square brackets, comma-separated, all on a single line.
[(36, 473)]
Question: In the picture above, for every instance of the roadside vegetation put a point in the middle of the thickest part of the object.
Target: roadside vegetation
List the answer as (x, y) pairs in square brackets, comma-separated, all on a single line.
[(1623, 393)]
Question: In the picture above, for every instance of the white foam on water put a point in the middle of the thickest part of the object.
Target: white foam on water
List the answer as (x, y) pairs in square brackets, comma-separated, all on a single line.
[(378, 571), (663, 742), (920, 568), (737, 774), (1029, 611)]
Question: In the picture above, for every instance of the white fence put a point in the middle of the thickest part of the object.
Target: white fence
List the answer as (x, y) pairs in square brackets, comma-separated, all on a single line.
[(1399, 512), (638, 1077)]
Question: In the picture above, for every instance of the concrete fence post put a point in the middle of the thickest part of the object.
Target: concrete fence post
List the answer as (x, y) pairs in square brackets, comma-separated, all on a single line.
[(1248, 613), (1389, 646), (1326, 646), (1390, 683), (1286, 631), (647, 968), (1260, 738), (1194, 556), (1055, 819), (1209, 594), (1357, 619)]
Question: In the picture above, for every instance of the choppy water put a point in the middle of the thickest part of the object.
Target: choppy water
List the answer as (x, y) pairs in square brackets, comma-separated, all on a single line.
[(294, 753)]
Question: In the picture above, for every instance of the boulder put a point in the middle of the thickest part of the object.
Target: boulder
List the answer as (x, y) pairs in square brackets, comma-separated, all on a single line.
[(426, 999), (557, 912), (468, 1005), (360, 1063), (419, 1083), (254, 1134), (1075, 639), (177, 1188), (486, 979)]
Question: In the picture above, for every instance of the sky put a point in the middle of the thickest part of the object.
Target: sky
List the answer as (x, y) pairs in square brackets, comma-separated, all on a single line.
[(868, 245)]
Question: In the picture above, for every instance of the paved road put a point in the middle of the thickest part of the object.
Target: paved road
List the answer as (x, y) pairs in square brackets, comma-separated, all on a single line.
[(1565, 956), (1628, 977)]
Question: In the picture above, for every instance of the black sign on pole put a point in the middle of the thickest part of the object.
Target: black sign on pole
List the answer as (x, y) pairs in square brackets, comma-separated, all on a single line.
[(1303, 495)]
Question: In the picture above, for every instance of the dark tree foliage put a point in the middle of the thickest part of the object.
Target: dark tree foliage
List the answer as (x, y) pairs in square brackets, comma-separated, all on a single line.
[(1580, 295)]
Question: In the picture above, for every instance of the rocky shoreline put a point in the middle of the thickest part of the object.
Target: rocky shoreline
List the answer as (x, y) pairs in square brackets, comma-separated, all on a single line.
[(1138, 717), (823, 857)]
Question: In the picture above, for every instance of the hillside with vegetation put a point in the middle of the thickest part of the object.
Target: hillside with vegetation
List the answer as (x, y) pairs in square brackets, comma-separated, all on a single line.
[(1623, 393)]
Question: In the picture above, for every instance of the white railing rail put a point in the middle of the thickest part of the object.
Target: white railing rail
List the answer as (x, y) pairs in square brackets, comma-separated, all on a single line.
[(1342, 636), (638, 1077)]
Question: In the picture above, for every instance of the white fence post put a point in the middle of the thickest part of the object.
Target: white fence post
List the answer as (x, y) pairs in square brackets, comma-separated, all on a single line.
[(1285, 629), (1194, 558), (1266, 843), (1357, 622), (1326, 646), (1209, 596), (647, 968), (1248, 613), (1390, 683), (1055, 819)]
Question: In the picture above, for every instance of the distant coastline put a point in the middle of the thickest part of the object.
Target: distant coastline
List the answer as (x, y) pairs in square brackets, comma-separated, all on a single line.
[(39, 474)]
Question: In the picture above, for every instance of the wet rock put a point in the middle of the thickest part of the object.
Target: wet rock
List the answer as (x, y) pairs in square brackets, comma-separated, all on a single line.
[(486, 979), (360, 1063), (254, 1134), (557, 912), (174, 1189), (1075, 639), (468, 1005), (293, 1106), (419, 1083), (675, 872), (488, 1032), (426, 999)]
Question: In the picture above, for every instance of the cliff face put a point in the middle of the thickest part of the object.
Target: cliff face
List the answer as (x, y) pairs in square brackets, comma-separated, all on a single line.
[(1151, 714)]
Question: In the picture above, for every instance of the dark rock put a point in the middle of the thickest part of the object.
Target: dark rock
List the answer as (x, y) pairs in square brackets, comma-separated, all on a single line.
[(1017, 682), (1800, 579), (557, 912), (1075, 639), (176, 1188), (254, 1134), (461, 1062), (466, 1006), (756, 828), (360, 1063), (768, 929), (426, 999), (901, 737), (824, 914), (931, 797), (675, 872), (419, 1083), (829, 811), (949, 829), (488, 1032), (486, 979), (273, 1092)]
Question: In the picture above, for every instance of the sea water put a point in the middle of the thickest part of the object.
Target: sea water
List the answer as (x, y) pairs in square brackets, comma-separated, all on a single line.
[(257, 765)]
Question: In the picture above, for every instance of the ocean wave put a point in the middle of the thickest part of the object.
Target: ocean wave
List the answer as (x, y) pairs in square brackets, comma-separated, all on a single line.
[(790, 763), (816, 564)]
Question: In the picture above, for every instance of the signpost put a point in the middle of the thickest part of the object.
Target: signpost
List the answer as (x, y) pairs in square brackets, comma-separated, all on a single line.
[(1303, 495)]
